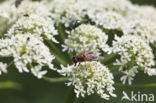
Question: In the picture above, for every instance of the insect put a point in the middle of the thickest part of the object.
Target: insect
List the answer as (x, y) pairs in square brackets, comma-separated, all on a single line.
[(74, 24), (26, 15), (136, 53), (28, 38), (17, 3), (85, 56)]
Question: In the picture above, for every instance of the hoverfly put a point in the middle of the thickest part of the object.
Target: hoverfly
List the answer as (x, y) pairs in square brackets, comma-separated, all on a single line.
[(85, 56), (74, 24)]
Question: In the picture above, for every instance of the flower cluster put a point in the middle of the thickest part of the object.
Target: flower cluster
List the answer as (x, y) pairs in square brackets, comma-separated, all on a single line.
[(143, 28), (8, 11), (29, 54), (24, 40), (137, 12), (108, 20), (86, 38), (63, 11), (36, 25), (89, 78), (29, 7), (135, 54)]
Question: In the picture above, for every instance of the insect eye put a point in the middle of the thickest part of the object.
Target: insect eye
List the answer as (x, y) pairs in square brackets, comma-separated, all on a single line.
[(74, 59)]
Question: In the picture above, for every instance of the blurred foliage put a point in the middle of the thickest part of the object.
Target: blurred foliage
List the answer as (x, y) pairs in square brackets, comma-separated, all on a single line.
[(145, 2), (34, 90), (10, 85)]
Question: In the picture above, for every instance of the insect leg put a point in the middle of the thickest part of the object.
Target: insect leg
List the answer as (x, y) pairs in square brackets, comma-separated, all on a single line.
[(79, 64)]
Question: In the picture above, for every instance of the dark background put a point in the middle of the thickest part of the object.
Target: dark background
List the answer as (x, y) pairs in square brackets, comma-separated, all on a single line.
[(33, 90)]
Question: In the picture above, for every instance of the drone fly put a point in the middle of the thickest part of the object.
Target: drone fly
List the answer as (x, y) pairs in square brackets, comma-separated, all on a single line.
[(85, 56)]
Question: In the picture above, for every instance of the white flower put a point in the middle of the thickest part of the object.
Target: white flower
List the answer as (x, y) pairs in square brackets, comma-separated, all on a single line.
[(151, 72), (5, 50), (128, 75), (86, 38), (3, 68), (21, 66), (36, 25), (88, 78), (65, 71), (37, 71), (135, 54)]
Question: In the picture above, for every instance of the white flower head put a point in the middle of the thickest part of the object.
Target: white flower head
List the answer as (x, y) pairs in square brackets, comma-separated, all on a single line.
[(86, 38), (63, 11), (146, 29), (135, 54), (28, 52), (108, 19), (118, 6), (88, 78), (33, 7), (8, 11), (137, 12), (36, 25)]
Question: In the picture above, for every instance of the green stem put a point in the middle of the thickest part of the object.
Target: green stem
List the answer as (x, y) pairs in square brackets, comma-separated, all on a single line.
[(1, 36), (12, 62), (60, 60), (54, 80), (61, 33), (52, 45), (55, 51), (108, 59), (71, 97)]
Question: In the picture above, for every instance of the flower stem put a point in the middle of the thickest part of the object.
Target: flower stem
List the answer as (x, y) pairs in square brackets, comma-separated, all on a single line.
[(61, 33), (1, 36), (108, 59), (71, 97), (59, 56), (60, 60), (12, 62), (54, 80)]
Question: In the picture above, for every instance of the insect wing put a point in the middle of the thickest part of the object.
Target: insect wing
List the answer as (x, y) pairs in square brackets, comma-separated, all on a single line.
[(93, 57), (17, 3)]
